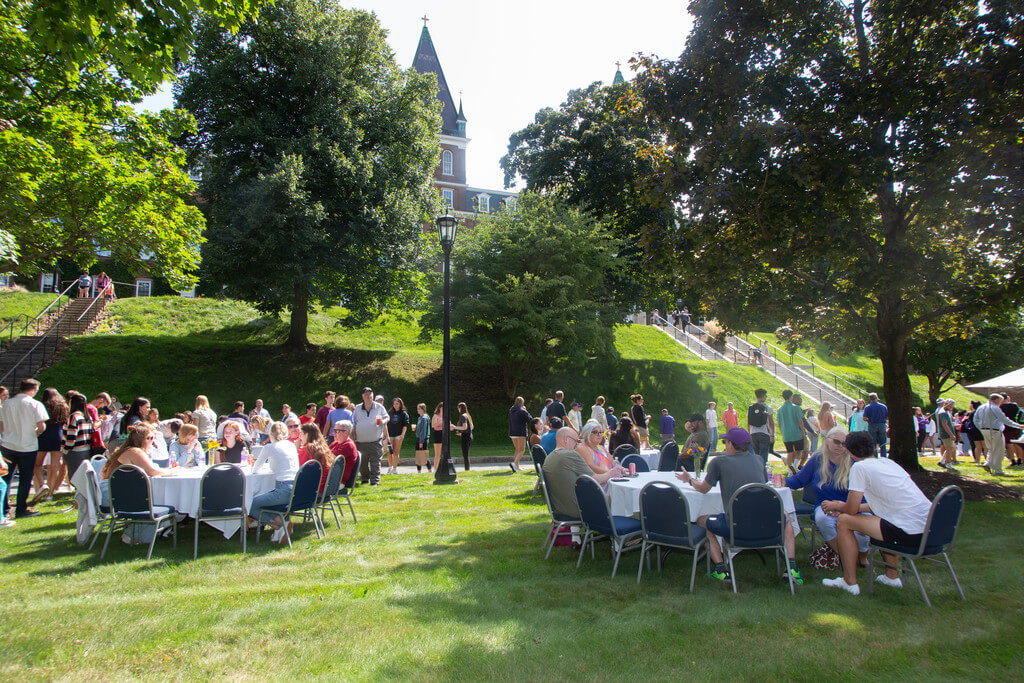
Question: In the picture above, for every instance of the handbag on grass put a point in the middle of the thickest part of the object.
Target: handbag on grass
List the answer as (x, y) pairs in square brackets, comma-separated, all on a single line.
[(824, 557)]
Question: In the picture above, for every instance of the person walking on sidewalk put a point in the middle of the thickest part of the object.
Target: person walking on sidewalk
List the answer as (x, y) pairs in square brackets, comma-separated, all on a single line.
[(876, 415), (22, 420), (991, 421)]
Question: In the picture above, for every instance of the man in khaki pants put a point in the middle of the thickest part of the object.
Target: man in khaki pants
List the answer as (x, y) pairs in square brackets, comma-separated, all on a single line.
[(991, 421)]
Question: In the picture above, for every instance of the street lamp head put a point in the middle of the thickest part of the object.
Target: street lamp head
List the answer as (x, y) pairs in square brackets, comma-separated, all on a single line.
[(447, 225)]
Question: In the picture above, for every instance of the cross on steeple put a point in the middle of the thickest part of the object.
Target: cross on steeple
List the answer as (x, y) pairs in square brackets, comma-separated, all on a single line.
[(425, 20), (617, 65)]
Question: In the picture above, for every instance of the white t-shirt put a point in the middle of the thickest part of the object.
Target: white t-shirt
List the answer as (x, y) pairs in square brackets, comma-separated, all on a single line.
[(711, 418), (891, 493), (20, 415)]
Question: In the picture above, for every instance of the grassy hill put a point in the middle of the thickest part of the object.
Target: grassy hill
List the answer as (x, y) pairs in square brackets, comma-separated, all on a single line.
[(170, 349)]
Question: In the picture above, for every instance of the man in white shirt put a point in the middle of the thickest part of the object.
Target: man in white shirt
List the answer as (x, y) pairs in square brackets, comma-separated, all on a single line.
[(899, 511), (22, 420), (260, 411), (369, 420), (711, 422), (990, 420)]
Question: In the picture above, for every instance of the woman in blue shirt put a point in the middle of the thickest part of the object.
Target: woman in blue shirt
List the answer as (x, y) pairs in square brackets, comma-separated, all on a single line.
[(826, 476)]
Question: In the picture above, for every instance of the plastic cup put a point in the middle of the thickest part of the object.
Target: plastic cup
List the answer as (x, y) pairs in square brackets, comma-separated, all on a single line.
[(632, 469)]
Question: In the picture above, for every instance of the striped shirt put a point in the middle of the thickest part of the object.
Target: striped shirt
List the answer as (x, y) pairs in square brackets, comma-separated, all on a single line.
[(78, 433)]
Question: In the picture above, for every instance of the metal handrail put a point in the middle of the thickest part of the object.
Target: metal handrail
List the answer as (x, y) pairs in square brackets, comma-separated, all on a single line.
[(715, 355), (835, 378)]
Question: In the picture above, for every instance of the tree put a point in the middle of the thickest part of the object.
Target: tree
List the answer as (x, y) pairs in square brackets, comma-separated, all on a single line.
[(597, 150), (316, 153), (530, 290), (79, 170), (853, 167), (969, 352)]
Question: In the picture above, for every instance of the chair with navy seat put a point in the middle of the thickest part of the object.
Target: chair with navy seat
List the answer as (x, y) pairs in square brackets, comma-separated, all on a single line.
[(332, 487), (940, 531), (131, 504), (348, 486), (754, 520), (669, 456), (598, 521), (558, 520), (636, 459), (304, 494), (221, 497), (665, 524), (538, 455), (622, 450), (104, 517)]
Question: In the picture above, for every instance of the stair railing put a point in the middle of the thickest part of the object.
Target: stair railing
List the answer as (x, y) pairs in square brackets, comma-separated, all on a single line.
[(829, 376), (49, 340)]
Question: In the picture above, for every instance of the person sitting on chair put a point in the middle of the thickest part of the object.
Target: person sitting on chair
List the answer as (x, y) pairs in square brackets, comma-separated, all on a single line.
[(697, 446), (563, 467), (548, 440), (592, 449), (735, 467), (625, 434), (900, 511)]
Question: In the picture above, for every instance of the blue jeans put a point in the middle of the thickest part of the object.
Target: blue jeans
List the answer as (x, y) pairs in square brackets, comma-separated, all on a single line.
[(713, 437), (281, 494), (877, 432)]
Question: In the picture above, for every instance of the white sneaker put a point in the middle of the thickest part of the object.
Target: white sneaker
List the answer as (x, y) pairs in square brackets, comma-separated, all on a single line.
[(886, 581), (7, 523), (277, 535), (840, 582), (512, 466)]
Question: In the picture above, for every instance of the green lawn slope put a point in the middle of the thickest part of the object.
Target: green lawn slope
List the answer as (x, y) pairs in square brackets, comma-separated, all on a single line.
[(170, 349)]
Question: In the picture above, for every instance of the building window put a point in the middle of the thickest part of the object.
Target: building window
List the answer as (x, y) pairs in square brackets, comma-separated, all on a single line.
[(143, 287), (448, 197), (47, 282), (189, 293), (510, 204), (483, 203), (446, 163)]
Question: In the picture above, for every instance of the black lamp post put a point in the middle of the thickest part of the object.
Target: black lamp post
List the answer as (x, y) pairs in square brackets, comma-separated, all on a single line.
[(447, 226)]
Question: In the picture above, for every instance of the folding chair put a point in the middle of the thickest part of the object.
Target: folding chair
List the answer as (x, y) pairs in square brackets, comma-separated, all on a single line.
[(622, 450), (599, 522), (754, 520), (665, 523), (104, 517), (558, 520), (325, 500), (304, 495), (221, 497), (636, 459), (939, 535), (131, 502), (669, 456), (346, 491)]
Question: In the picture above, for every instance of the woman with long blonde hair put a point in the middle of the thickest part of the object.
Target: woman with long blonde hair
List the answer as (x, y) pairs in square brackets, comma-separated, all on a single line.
[(205, 420), (826, 476)]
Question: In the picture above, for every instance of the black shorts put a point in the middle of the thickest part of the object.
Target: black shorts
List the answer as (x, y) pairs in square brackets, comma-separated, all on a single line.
[(794, 446), (897, 536), (421, 445), (436, 436)]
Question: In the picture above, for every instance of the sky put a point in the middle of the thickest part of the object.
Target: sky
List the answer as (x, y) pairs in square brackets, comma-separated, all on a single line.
[(510, 60)]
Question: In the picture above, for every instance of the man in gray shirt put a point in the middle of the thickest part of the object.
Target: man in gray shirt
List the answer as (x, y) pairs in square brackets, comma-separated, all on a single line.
[(735, 468), (563, 467), (369, 420)]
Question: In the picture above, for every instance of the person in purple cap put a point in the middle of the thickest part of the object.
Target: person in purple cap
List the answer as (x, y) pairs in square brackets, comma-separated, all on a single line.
[(731, 469)]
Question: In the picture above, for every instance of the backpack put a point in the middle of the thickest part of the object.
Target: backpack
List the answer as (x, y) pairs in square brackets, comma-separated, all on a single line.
[(757, 415)]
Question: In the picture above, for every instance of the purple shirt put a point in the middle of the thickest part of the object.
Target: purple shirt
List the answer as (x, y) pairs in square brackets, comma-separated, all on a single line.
[(667, 425)]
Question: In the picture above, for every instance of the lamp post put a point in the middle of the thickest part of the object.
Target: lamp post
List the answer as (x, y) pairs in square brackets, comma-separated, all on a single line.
[(447, 226)]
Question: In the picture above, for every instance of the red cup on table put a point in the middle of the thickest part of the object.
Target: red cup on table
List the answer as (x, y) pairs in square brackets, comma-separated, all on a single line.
[(632, 469)]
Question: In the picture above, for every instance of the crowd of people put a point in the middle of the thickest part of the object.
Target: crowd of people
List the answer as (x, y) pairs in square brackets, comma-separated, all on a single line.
[(857, 494), (44, 442)]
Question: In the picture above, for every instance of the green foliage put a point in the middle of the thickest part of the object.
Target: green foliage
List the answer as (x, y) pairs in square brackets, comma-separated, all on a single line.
[(598, 151), (15, 304), (84, 183), (860, 165), (530, 290), (316, 195)]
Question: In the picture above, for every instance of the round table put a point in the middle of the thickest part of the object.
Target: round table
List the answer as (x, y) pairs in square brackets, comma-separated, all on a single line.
[(181, 490), (624, 496)]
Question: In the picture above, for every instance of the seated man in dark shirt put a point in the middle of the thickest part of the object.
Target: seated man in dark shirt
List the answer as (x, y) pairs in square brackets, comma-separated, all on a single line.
[(732, 469), (563, 467)]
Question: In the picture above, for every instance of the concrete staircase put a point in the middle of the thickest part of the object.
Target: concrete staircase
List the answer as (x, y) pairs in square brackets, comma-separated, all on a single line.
[(24, 356), (801, 381)]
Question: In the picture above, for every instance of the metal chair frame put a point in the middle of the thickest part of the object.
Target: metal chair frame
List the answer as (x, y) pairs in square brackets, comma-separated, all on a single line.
[(549, 540), (283, 515), (591, 535), (909, 558), (103, 519), (153, 518), (684, 513), (325, 500), (731, 548), (346, 490), (200, 517)]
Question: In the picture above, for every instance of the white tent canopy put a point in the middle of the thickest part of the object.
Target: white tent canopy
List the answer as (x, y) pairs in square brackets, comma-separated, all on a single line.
[(1011, 381)]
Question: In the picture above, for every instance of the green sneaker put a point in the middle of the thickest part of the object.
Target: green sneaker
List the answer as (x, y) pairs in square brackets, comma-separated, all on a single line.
[(719, 574), (798, 578)]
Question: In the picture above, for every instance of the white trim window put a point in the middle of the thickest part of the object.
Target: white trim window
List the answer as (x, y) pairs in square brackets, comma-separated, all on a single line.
[(189, 293), (483, 203), (143, 286), (447, 163), (448, 197)]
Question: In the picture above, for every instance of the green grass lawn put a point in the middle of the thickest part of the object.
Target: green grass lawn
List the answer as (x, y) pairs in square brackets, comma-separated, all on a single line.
[(449, 583), (864, 369)]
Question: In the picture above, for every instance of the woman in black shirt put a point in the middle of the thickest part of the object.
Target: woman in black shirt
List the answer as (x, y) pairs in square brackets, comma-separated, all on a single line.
[(518, 429), (398, 423), (465, 430), (640, 419)]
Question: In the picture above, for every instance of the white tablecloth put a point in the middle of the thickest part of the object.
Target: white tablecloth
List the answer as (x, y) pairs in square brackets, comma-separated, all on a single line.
[(624, 496), (181, 490)]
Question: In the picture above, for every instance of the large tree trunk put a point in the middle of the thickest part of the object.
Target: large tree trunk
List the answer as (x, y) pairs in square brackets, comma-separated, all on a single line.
[(892, 348), (299, 321)]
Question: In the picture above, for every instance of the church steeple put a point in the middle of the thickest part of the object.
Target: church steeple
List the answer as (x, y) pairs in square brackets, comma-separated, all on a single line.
[(618, 74), (426, 61)]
